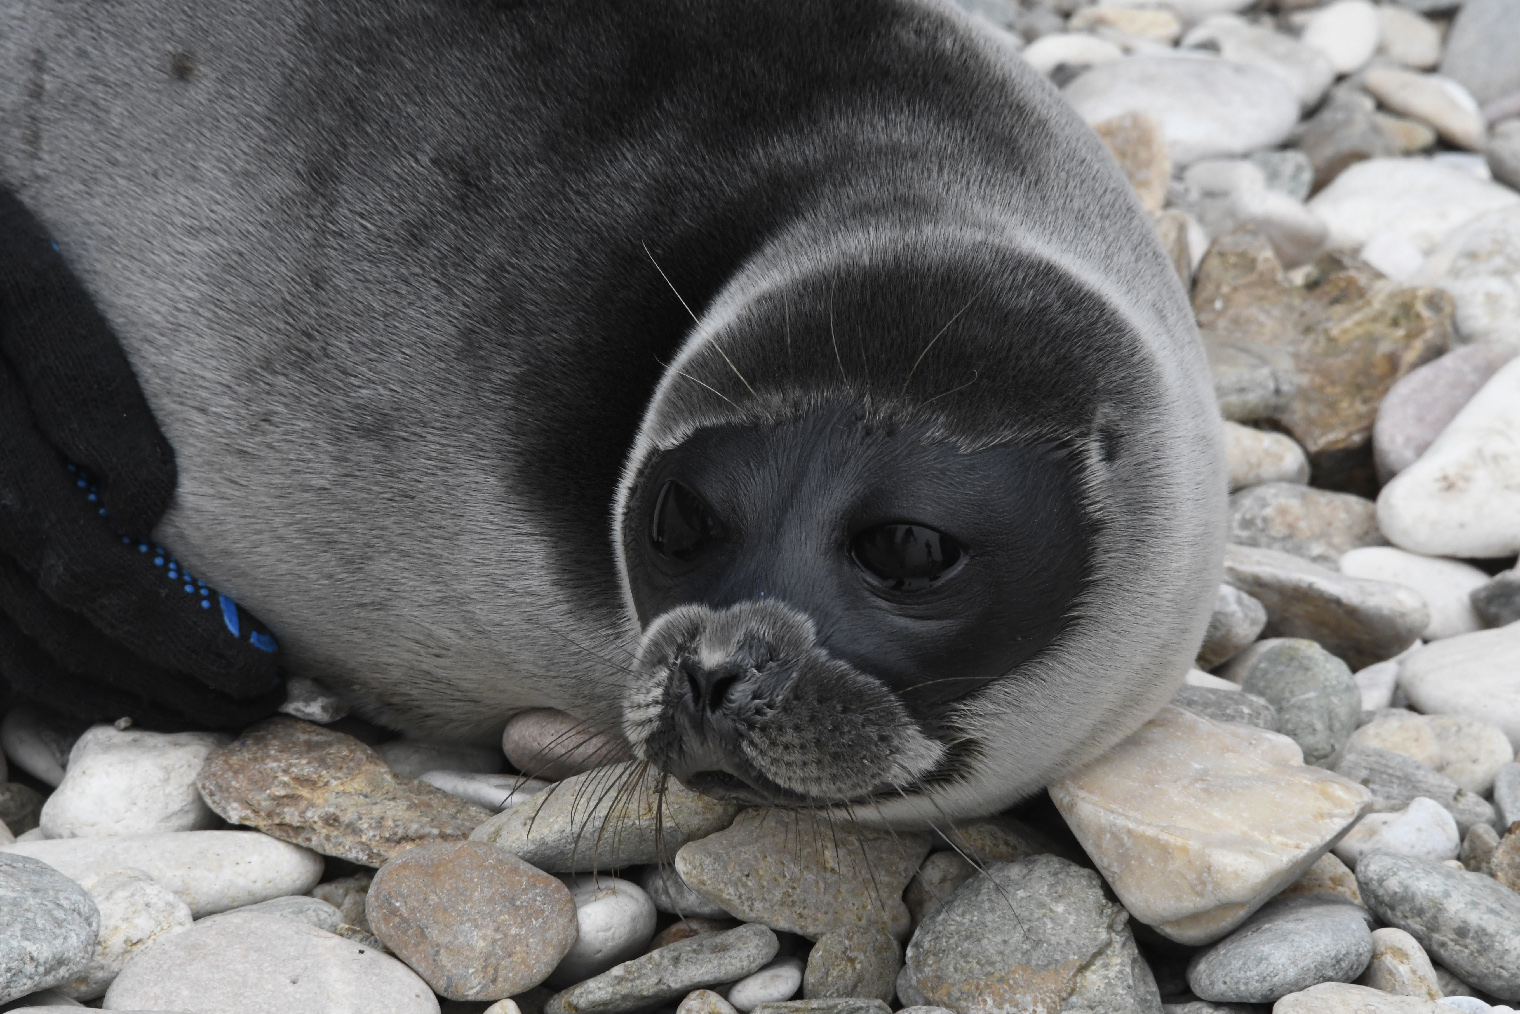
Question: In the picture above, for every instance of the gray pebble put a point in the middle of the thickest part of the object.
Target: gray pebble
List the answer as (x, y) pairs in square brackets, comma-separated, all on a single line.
[(1480, 48), (1395, 781), (1204, 1007), (670, 972), (1288, 171), (1317, 701), (1288, 946), (1478, 847), (1468, 922), (1507, 794), (1498, 602), (1503, 152), (674, 896), (857, 962), (843, 1005), (48, 926), (300, 907), (1236, 621), (1343, 132), (1228, 706), (1313, 523)]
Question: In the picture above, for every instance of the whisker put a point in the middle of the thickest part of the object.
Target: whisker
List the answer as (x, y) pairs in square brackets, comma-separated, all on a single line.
[(936, 338)]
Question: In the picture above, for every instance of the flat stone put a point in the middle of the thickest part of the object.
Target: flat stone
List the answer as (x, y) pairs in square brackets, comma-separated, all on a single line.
[(211, 870), (38, 742), (615, 921), (1479, 264), (1207, 108), (1344, 998), (548, 744), (784, 869), (48, 933), (1237, 620), (411, 758), (1507, 794), (1346, 32), (1228, 706), (135, 910), (1400, 966), (937, 879), (491, 791), (1420, 405), (1408, 38), (673, 895), (1497, 603), (1195, 824), (1480, 49), (1432, 99), (1343, 132), (1359, 621), (1468, 922), (1069, 49), (127, 781), (302, 908), (1137, 144), (1394, 779), (1303, 68), (1285, 947), (475, 922), (253, 964), (777, 982), (1034, 935), (1313, 523), (604, 819), (1327, 878), (670, 972), (1423, 830), (859, 962), (1469, 752), (852, 1005), (312, 786), (20, 807), (1475, 675), (1445, 585), (1257, 456), (1348, 331)]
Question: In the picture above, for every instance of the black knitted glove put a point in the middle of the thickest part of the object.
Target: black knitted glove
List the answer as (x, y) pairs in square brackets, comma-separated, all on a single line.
[(95, 620)]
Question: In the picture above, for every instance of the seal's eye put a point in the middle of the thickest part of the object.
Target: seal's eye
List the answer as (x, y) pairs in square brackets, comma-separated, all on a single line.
[(682, 526), (906, 557)]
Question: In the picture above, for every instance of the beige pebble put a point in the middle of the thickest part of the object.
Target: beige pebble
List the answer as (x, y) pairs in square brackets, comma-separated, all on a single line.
[(1400, 966), (1328, 876), (549, 744), (1158, 24), (1257, 456), (1139, 146), (703, 1001), (863, 961)]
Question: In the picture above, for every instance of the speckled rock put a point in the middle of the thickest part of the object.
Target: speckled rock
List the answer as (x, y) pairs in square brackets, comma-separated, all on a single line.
[(1497, 602), (583, 824), (1257, 456), (48, 931), (1228, 706), (1395, 780), (1468, 922), (1034, 935), (1313, 523), (1475, 675), (1195, 823), (670, 972), (476, 922), (1445, 585), (1400, 966), (1138, 145), (693, 926), (1237, 620), (781, 868), (319, 788), (1344, 998), (1316, 701), (1286, 947), (135, 910), (861, 962), (548, 744), (1469, 752), (775, 983), (1359, 621), (672, 894), (704, 1001), (615, 921)]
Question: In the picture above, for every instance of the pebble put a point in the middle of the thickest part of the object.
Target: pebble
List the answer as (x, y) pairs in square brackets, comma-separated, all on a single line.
[(1468, 922), (1422, 830), (1445, 585), (20, 807), (1344, 998), (310, 701), (1285, 947), (127, 781), (615, 921), (1432, 99), (1069, 49), (1408, 38), (1195, 823), (211, 870), (1155, 24), (1503, 153), (1137, 144), (1480, 49), (1400, 966), (347, 895), (1479, 264), (475, 922), (1303, 68), (688, 928), (1343, 132), (582, 825), (774, 983), (1469, 752), (1037, 934), (1225, 194), (1507, 794), (1395, 780), (410, 758), (791, 872), (1478, 847), (317, 787), (48, 931), (670, 972), (673, 895), (135, 910), (1327, 878), (1228, 706), (848, 1005), (254, 963), (1207, 107), (1316, 700), (491, 791), (1407, 136), (37, 742), (859, 962), (937, 879), (704, 1001), (1414, 199), (548, 744), (1257, 456), (300, 907), (1313, 523), (1475, 675), (1346, 31), (1497, 603), (1504, 865), (1287, 170), (1420, 405), (1359, 621), (1237, 620)]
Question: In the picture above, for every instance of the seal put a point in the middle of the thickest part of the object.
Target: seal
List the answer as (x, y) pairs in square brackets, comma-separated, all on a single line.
[(796, 388)]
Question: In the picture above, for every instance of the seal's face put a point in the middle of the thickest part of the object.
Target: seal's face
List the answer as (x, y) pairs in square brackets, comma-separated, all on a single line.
[(819, 595)]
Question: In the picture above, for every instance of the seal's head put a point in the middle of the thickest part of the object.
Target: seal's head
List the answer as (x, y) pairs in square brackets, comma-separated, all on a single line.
[(913, 528)]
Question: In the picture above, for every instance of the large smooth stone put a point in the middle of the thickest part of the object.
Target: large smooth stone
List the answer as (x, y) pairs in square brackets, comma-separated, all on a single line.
[(1314, 697), (476, 922), (135, 910), (1474, 675), (1468, 922), (1419, 406), (319, 788), (1432, 99), (1445, 585), (627, 815), (1207, 107), (1469, 752), (1035, 935), (260, 964), (211, 870), (1479, 265), (126, 781), (792, 872), (1287, 946), (48, 928), (1196, 824), (1303, 68), (670, 972), (1359, 621), (1346, 32), (1480, 49), (549, 744), (1313, 523)]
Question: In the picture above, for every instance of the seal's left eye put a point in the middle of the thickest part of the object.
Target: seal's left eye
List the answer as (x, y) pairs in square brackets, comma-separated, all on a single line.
[(682, 526), (906, 557)]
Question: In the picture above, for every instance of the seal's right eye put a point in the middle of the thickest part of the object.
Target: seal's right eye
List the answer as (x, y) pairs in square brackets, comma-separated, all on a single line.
[(682, 526), (906, 558)]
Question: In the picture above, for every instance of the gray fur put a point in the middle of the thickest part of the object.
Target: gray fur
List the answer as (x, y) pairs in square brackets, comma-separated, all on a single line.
[(387, 274)]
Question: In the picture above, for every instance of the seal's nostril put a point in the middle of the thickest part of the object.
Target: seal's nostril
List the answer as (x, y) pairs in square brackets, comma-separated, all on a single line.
[(718, 690), (707, 689)]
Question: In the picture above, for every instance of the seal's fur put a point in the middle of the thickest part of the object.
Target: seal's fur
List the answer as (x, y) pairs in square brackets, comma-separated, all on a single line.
[(405, 281)]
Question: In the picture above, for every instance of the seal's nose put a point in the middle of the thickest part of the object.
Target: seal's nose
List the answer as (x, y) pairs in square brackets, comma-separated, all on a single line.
[(710, 690)]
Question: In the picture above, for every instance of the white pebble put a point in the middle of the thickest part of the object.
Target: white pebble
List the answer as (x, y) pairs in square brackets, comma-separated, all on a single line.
[(1346, 32), (1074, 49), (1422, 830), (774, 983), (36, 744), (494, 792), (135, 910), (616, 920), (1444, 584)]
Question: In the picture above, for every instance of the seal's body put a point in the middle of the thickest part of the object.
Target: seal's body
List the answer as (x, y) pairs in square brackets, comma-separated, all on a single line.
[(794, 386)]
